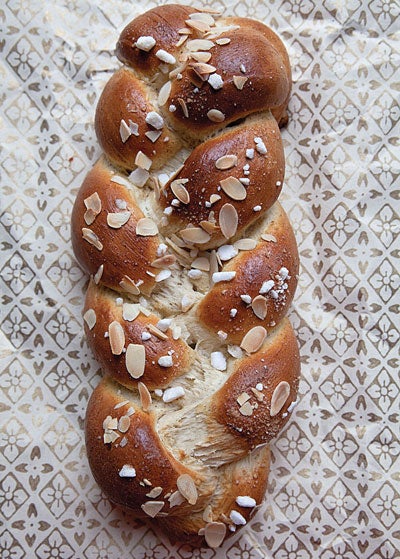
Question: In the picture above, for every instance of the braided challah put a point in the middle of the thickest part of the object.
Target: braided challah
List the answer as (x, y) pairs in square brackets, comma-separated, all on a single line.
[(193, 266)]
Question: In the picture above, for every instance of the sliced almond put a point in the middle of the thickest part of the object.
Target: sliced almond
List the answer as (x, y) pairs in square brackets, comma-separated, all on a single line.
[(164, 93), (128, 285), (187, 488), (215, 115), (223, 41), (89, 216), (124, 131), (201, 263), (124, 424), (154, 493), (130, 311), (254, 339), (118, 219), (214, 198), (152, 508), (201, 56), (233, 188), (135, 359), (239, 81), (279, 397), (214, 533), (247, 409), (209, 227), (177, 187), (202, 68), (142, 161), (198, 25), (204, 16), (226, 162), (117, 337), (259, 306), (176, 499), (145, 396), (269, 238), (93, 203), (157, 332), (183, 106), (228, 220), (245, 244), (199, 44), (146, 227), (90, 318), (91, 237), (98, 274), (195, 235), (164, 261), (243, 398)]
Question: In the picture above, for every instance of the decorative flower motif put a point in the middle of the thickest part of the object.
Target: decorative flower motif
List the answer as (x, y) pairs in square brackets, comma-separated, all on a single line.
[(338, 388), (300, 115), (385, 59), (69, 57), (23, 58), (342, 9), (339, 502), (62, 380), (338, 167), (55, 546), (9, 546), (384, 335), (297, 167), (385, 280), (12, 496), (386, 112), (188, 552), (292, 549), (293, 500), (296, 11), (13, 439), (243, 549), (61, 218), (17, 327), (64, 273), (340, 111), (14, 381), (68, 111), (340, 445), (66, 164), (386, 225), (339, 57), (100, 502), (385, 167), (301, 224), (18, 219), (63, 327), (58, 495), (16, 273), (341, 335), (339, 549), (386, 504), (385, 448), (385, 11), (103, 547), (23, 113), (383, 390), (149, 548), (300, 60), (293, 444), (340, 280), (61, 438)]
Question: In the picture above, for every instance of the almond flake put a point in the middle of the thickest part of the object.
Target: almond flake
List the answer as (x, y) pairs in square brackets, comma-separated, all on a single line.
[(139, 177), (254, 339), (153, 135), (226, 162), (130, 311), (146, 227), (201, 56), (90, 318), (195, 235), (183, 107), (199, 44), (152, 508), (215, 115), (243, 398), (142, 161), (279, 397), (214, 198), (118, 219), (91, 237), (124, 423), (93, 203), (198, 25), (154, 493), (233, 188), (227, 252), (164, 93), (124, 131), (202, 69), (163, 275), (209, 227), (203, 16), (239, 81), (154, 330), (214, 533), (259, 306), (164, 261), (135, 360), (187, 488), (228, 220), (201, 263), (145, 396), (128, 285), (247, 409), (269, 238), (223, 41), (89, 216), (245, 244), (180, 191), (176, 499), (117, 337)]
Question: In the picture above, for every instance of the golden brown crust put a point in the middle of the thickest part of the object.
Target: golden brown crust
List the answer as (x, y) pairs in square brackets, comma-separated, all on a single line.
[(120, 250), (230, 305), (158, 343)]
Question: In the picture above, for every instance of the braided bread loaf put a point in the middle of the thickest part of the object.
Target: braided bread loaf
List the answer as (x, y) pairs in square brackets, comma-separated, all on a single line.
[(193, 265)]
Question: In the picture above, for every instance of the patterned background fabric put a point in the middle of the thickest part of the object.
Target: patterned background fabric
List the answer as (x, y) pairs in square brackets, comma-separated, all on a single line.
[(334, 485)]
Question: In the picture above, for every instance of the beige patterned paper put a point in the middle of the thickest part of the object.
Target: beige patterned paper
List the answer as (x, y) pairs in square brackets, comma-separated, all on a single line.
[(334, 486)]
